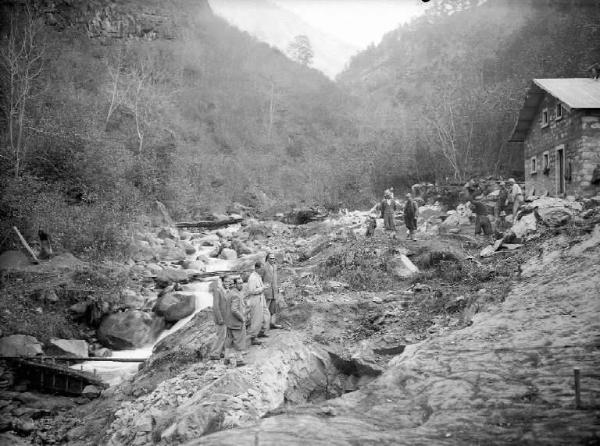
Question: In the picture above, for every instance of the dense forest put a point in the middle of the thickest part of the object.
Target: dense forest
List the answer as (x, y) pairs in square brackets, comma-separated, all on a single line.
[(108, 107), (444, 90)]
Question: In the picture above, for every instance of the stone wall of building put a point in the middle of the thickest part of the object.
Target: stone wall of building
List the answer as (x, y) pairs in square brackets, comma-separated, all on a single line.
[(578, 135)]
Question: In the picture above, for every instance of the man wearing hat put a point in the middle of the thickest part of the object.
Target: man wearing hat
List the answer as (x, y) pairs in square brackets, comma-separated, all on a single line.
[(516, 196)]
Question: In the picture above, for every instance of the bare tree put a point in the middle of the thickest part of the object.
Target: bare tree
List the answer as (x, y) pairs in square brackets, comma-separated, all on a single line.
[(21, 62)]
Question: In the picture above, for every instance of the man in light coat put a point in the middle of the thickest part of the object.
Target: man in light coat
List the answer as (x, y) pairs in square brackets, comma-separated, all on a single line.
[(516, 196), (259, 316), (272, 293), (219, 306)]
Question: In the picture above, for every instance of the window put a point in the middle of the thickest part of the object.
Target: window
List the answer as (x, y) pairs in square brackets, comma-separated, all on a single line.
[(559, 111), (545, 118), (546, 163), (533, 165)]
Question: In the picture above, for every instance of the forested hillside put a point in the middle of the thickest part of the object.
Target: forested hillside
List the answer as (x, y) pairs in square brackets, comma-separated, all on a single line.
[(110, 106), (446, 88), (131, 102)]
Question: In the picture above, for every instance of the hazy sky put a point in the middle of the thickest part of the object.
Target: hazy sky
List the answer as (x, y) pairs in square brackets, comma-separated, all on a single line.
[(337, 29), (358, 22)]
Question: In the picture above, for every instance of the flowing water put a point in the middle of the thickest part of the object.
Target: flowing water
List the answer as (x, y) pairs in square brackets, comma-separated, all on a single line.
[(113, 372)]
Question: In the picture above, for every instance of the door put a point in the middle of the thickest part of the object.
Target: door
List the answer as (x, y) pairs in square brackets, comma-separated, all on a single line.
[(560, 171)]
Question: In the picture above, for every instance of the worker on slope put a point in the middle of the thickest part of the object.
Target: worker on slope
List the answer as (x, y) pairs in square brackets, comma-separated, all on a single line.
[(235, 342), (272, 293), (258, 312), (516, 196), (219, 308)]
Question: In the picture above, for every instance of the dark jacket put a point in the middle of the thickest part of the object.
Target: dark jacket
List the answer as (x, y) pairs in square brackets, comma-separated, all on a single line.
[(270, 277), (235, 310)]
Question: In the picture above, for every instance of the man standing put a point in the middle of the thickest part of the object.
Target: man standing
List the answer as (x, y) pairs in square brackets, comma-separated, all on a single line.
[(219, 308), (411, 213), (516, 195), (258, 311), (502, 198), (272, 293), (482, 221), (388, 207), (235, 321)]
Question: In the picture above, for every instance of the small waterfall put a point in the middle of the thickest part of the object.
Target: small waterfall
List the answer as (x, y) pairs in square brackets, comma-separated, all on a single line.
[(114, 372)]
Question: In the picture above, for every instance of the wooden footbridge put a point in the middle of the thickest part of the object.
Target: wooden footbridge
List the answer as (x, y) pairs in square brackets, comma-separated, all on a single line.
[(52, 374)]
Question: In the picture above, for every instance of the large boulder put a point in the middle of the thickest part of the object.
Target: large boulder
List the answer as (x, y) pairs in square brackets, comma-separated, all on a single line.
[(175, 306), (555, 216), (13, 259), (129, 329), (196, 265), (525, 225), (20, 345), (77, 348), (170, 275)]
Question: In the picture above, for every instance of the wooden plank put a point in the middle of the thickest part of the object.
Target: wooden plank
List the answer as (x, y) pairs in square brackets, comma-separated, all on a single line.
[(209, 224), (26, 245)]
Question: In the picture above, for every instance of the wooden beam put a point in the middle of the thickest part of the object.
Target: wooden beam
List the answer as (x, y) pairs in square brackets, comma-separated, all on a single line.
[(209, 224), (26, 245)]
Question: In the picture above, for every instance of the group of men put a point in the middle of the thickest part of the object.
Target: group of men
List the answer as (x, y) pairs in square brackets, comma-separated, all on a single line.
[(244, 312), (388, 207), (506, 196)]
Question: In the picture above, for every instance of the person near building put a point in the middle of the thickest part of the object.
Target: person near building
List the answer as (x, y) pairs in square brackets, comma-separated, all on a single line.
[(411, 213), (516, 196), (502, 198), (482, 221)]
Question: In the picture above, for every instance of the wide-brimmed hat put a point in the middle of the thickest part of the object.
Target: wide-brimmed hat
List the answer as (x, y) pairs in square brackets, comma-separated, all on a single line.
[(511, 180), (502, 214)]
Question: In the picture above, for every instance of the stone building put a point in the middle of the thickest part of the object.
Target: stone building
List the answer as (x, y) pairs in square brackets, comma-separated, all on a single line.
[(559, 128)]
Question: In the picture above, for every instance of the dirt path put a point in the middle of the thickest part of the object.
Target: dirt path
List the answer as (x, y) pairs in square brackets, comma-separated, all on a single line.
[(506, 379)]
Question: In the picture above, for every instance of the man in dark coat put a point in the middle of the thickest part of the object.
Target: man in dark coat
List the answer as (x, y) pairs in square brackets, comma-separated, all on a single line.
[(411, 213), (482, 221), (272, 293), (235, 314), (388, 207)]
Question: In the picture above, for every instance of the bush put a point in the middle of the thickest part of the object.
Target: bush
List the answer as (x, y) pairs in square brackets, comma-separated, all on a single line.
[(91, 230)]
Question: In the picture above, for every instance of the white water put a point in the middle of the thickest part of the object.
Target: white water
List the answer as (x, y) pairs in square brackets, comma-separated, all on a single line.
[(113, 372)]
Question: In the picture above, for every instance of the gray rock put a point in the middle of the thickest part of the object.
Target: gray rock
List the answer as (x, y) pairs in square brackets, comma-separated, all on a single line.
[(167, 276), (168, 233), (77, 348), (20, 345), (175, 306), (228, 254), (91, 392), (129, 329), (13, 259)]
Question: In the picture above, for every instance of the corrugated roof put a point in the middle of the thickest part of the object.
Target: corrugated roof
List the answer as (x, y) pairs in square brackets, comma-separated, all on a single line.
[(576, 93)]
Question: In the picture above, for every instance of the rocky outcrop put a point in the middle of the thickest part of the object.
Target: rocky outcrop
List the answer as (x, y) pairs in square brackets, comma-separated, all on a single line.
[(506, 379), (129, 329)]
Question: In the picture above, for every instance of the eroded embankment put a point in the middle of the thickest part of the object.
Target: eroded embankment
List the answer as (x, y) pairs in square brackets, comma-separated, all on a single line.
[(506, 379)]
